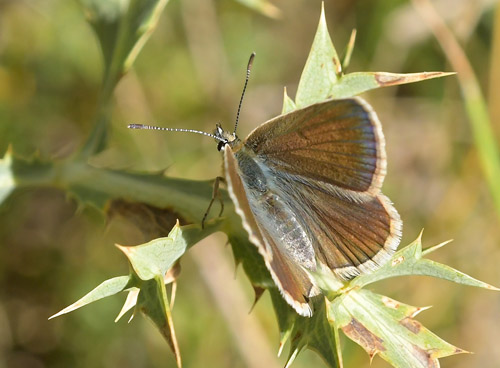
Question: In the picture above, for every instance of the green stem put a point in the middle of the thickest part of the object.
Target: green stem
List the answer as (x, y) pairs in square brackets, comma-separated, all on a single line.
[(475, 105), (96, 186), (98, 137), (484, 138)]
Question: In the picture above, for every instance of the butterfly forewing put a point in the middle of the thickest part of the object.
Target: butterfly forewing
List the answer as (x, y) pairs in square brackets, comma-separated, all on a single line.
[(339, 142)]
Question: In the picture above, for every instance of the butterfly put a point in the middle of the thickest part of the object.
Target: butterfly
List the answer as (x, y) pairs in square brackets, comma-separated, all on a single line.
[(307, 186)]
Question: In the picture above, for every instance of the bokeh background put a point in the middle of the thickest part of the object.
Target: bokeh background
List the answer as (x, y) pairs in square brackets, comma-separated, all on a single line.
[(189, 75)]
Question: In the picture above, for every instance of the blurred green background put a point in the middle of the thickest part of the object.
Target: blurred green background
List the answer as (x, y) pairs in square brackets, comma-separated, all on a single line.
[(189, 74)]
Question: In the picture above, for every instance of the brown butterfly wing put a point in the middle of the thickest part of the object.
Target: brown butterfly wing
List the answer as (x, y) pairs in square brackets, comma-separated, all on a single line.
[(338, 142), (350, 233), (324, 166), (291, 279), (329, 161)]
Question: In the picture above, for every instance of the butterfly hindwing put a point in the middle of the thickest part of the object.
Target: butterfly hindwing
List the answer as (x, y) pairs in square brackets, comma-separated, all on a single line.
[(350, 233)]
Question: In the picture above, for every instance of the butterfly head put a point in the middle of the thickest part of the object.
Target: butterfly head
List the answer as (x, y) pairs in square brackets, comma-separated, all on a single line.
[(224, 137)]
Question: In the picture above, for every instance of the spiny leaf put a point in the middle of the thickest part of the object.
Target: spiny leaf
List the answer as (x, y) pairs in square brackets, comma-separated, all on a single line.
[(409, 261), (107, 288), (348, 52), (320, 71), (286, 317), (32, 171), (159, 255), (148, 261), (345, 308), (130, 303), (386, 327), (133, 293), (153, 303), (97, 187), (122, 27), (246, 253), (288, 104), (355, 83), (323, 77), (316, 333)]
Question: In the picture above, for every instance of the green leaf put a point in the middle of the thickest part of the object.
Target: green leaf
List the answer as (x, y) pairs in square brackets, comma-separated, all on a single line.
[(386, 327), (320, 71), (379, 324), (409, 261), (122, 27), (349, 50), (286, 316), (107, 288), (323, 78), (355, 83), (288, 104), (130, 303), (96, 186), (316, 333), (7, 182), (150, 263), (247, 254), (159, 255), (153, 303), (481, 120)]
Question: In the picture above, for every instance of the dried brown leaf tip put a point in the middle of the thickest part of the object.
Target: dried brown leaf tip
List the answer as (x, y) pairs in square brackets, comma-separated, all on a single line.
[(429, 358), (392, 79), (258, 294), (154, 222), (172, 274)]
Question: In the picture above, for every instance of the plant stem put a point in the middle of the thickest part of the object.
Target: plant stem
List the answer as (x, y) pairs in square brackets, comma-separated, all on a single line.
[(475, 105)]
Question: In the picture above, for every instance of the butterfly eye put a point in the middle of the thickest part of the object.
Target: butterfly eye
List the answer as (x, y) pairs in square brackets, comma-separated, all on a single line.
[(221, 145)]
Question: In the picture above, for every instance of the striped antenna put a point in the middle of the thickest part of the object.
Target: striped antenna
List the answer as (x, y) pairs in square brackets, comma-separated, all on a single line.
[(249, 68), (152, 127)]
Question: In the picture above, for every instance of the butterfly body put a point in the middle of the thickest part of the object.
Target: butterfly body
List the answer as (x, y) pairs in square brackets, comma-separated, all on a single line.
[(307, 187), (269, 204)]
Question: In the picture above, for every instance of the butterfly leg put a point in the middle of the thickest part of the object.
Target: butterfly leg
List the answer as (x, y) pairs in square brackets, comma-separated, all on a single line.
[(215, 194)]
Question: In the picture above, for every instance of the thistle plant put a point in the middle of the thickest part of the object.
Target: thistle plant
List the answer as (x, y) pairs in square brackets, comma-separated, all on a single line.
[(380, 324)]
